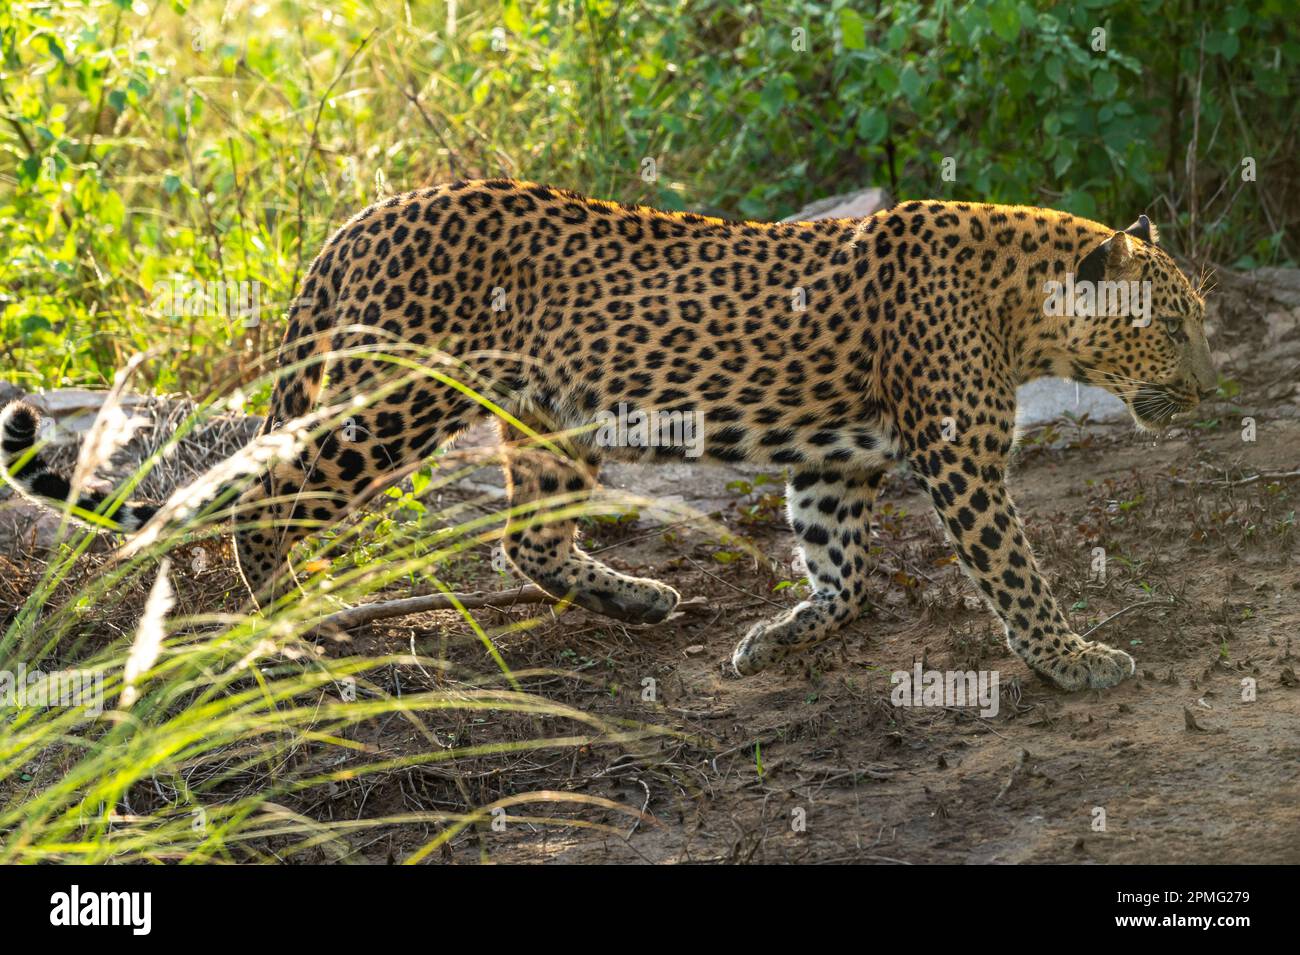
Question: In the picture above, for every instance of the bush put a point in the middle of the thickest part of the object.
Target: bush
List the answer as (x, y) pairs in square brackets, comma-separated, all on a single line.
[(213, 143)]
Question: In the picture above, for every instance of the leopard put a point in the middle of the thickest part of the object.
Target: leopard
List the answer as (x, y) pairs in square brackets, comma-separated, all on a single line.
[(835, 351)]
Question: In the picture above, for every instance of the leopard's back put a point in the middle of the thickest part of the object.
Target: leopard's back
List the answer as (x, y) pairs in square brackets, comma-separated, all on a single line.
[(590, 311)]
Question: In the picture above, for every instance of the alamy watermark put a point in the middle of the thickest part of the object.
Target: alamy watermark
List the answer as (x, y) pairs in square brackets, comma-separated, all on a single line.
[(190, 298), (132, 910), (25, 687), (946, 688), (634, 428), (1096, 299)]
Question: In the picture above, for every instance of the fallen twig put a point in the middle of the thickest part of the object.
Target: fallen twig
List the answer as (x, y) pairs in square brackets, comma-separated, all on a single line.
[(1119, 613), (500, 599), (1262, 475)]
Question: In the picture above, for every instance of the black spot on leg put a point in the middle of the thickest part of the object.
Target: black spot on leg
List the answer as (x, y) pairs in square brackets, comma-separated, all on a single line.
[(351, 464)]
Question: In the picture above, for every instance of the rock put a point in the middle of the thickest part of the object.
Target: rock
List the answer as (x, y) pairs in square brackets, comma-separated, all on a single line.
[(659, 492), (1280, 325), (850, 205), (1046, 399), (1233, 358), (1282, 284), (69, 412), (152, 420), (27, 528)]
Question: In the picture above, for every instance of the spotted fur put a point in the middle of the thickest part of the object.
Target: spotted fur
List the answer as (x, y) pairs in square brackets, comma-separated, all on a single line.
[(835, 349)]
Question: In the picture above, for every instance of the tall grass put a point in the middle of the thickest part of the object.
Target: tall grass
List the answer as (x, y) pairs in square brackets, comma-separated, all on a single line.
[(220, 735)]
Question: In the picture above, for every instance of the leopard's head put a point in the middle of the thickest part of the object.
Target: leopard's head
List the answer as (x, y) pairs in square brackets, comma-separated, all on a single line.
[(1144, 339)]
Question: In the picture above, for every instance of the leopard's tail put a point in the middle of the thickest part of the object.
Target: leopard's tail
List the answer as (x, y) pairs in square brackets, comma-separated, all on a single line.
[(33, 477), (31, 474)]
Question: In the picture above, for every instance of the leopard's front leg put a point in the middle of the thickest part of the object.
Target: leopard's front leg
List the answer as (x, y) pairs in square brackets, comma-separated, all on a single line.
[(830, 512), (966, 482)]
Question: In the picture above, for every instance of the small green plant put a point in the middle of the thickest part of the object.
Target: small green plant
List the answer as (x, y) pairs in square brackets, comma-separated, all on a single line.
[(756, 505)]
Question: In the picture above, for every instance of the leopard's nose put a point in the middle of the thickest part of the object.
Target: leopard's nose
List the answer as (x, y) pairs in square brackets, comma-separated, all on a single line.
[(1205, 394)]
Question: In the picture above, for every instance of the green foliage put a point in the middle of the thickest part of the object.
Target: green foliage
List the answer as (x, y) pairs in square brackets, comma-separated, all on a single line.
[(148, 143)]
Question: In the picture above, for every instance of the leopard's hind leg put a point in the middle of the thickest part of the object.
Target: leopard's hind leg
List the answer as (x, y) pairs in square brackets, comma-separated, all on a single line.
[(541, 538), (830, 512), (344, 466)]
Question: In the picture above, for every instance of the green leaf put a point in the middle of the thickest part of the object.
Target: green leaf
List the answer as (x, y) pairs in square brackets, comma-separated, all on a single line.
[(1105, 84), (886, 78), (772, 98), (34, 323), (112, 211), (852, 30), (1004, 16), (872, 126), (513, 17), (1224, 44), (909, 80), (55, 49)]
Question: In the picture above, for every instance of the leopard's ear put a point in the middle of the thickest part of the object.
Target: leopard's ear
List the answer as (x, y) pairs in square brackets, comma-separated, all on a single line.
[(1145, 230), (1107, 259)]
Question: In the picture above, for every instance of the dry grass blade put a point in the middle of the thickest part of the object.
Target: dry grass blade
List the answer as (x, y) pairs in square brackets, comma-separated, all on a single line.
[(111, 430), (148, 636), (187, 501)]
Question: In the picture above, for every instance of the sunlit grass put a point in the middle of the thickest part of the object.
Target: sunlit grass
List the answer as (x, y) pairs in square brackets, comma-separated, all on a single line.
[(237, 717)]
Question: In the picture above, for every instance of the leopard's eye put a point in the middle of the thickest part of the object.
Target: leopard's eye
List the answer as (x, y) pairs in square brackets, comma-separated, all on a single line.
[(1173, 325)]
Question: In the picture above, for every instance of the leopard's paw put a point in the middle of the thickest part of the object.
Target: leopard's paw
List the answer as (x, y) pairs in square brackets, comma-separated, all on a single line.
[(629, 599), (1092, 666), (646, 601), (771, 642), (759, 649)]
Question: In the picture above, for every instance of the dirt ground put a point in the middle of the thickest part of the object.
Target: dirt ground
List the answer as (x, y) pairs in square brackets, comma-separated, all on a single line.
[(811, 762), (1184, 769)]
